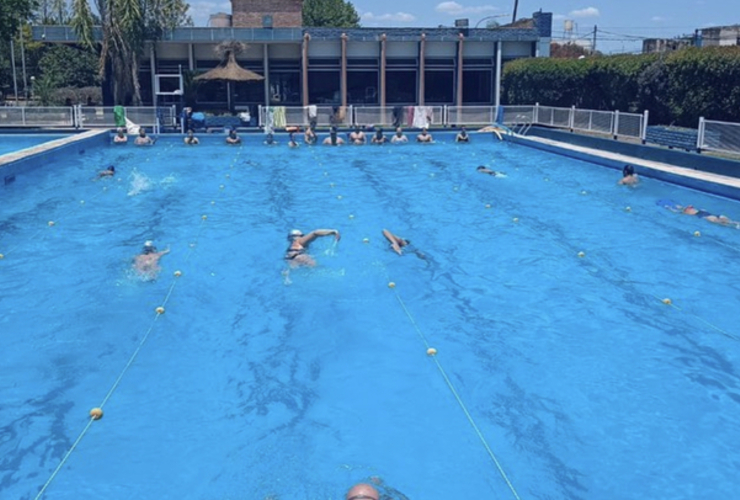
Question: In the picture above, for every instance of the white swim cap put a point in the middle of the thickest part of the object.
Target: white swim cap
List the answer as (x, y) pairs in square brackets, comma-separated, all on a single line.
[(296, 232), (148, 243)]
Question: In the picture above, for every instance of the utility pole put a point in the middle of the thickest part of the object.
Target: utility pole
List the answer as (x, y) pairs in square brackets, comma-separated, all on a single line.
[(593, 44), (15, 76), (516, 7)]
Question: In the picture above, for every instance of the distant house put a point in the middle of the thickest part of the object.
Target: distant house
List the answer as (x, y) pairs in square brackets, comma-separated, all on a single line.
[(720, 35), (660, 45)]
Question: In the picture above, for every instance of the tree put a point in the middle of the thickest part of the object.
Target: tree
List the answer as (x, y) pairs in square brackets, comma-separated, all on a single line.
[(53, 12), (567, 51), (330, 14), (125, 26), (68, 66), (12, 14)]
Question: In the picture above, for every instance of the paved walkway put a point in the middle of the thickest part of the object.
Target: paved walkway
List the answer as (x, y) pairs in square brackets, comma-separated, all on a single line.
[(724, 180), (48, 146)]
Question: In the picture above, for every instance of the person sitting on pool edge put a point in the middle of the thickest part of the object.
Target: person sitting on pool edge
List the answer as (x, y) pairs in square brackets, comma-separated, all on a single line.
[(357, 137), (233, 138), (702, 214), (462, 136), (108, 172), (190, 139), (424, 136), (629, 177), (147, 262), (483, 170), (297, 253), (399, 136), (379, 138), (333, 139), (143, 139), (120, 137)]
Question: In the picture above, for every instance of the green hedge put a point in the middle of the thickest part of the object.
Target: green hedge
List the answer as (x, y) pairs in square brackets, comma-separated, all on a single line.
[(676, 88)]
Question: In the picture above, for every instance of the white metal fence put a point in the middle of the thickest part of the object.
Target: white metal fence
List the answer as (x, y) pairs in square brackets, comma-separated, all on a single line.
[(718, 136), (83, 116)]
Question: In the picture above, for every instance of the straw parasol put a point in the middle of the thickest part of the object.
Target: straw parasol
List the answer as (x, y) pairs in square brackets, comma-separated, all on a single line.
[(228, 69)]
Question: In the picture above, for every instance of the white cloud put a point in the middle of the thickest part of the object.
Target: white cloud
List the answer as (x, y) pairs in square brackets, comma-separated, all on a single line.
[(455, 9), (399, 17), (201, 10), (587, 12), (657, 19)]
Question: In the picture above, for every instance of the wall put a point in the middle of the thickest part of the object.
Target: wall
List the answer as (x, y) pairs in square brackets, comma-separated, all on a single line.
[(250, 13)]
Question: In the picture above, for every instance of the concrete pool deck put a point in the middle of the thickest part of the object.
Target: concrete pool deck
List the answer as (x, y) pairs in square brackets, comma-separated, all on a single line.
[(50, 146), (722, 185)]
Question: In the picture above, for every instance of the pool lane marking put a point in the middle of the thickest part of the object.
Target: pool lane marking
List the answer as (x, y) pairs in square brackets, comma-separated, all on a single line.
[(457, 397), (130, 362)]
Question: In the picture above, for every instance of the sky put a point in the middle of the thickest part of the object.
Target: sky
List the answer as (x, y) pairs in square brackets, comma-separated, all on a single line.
[(620, 25)]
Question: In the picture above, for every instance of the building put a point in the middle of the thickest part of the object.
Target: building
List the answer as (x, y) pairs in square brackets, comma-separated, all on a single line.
[(361, 66), (720, 35), (660, 45)]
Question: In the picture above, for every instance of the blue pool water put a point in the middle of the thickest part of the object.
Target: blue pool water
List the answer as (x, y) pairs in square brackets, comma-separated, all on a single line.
[(10, 143), (583, 384)]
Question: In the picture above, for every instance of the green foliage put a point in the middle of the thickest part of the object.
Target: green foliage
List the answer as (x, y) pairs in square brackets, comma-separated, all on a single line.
[(12, 14), (68, 66), (677, 88), (43, 90), (330, 14)]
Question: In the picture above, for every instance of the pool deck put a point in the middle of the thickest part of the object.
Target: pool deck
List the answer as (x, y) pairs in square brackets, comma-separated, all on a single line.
[(648, 168), (9, 158)]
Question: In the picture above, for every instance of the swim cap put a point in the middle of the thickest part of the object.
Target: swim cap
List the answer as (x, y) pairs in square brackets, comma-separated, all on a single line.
[(296, 232), (148, 243)]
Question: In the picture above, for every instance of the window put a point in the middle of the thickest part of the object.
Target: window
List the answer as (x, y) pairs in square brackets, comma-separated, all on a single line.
[(438, 86), (323, 87), (362, 87), (477, 86), (285, 87), (400, 87)]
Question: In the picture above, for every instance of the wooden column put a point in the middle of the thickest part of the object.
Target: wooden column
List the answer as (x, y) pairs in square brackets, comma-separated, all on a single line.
[(304, 70), (382, 69), (422, 44), (343, 81), (266, 71), (460, 43)]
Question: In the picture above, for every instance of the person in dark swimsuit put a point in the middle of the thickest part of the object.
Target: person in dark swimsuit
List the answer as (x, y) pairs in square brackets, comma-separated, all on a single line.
[(462, 136), (702, 214), (297, 252), (483, 170), (629, 177)]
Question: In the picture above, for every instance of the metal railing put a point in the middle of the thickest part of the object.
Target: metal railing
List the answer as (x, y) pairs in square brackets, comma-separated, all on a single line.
[(28, 116), (718, 136)]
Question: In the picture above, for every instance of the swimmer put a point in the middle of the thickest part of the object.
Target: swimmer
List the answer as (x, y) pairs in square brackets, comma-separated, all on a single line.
[(398, 244), (702, 214), (374, 489), (233, 138), (143, 139), (291, 140), (270, 139), (297, 253), (462, 136), (484, 170), (424, 136), (333, 139), (629, 177), (191, 140), (309, 137), (362, 491), (357, 137), (108, 172), (147, 263), (379, 138), (399, 136), (120, 137)]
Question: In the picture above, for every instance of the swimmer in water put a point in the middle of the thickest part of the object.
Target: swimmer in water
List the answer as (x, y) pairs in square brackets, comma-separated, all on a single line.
[(379, 138), (143, 139), (398, 244), (309, 137), (233, 138), (120, 137), (399, 136), (424, 136), (291, 140), (333, 139), (270, 139), (108, 172), (297, 252), (702, 214), (147, 262), (462, 136), (357, 137), (191, 140), (484, 170), (629, 177)]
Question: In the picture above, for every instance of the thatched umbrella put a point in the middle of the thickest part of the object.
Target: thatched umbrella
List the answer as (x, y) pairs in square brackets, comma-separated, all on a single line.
[(228, 69)]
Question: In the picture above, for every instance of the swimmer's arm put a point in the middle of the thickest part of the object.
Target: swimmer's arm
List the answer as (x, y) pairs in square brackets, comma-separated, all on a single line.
[(319, 232)]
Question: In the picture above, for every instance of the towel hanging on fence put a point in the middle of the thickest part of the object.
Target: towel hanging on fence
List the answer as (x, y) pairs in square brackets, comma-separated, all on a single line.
[(119, 115)]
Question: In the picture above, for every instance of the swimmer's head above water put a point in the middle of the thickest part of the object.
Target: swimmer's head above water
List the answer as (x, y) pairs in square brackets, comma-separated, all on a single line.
[(149, 247), (295, 233)]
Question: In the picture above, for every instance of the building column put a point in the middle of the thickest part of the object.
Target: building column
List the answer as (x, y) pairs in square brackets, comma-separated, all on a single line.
[(460, 41), (422, 45), (382, 69), (191, 57), (497, 86), (304, 70), (343, 81), (153, 67), (266, 70)]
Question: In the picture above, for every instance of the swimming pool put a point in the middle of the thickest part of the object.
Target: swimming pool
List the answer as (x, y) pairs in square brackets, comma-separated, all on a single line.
[(580, 380), (10, 143)]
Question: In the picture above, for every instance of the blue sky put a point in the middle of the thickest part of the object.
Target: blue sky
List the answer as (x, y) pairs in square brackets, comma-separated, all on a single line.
[(621, 24)]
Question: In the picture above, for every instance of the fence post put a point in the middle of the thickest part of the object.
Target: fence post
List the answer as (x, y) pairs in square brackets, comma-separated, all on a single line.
[(615, 125), (700, 135), (259, 115), (536, 117), (571, 118), (23, 115), (643, 132)]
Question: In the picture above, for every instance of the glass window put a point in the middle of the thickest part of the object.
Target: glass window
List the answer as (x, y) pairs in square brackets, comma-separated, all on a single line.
[(400, 87), (362, 87), (477, 86), (285, 87), (248, 92), (439, 87), (323, 87)]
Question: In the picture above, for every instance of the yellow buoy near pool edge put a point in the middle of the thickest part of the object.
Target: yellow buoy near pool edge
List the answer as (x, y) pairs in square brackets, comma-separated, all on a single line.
[(581, 254), (431, 351), (391, 285), (159, 310), (667, 301), (178, 274), (697, 233), (96, 413), (51, 223), (204, 217)]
